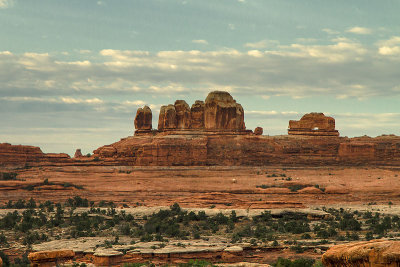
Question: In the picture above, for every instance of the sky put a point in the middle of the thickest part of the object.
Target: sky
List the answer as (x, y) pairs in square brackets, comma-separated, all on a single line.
[(73, 73)]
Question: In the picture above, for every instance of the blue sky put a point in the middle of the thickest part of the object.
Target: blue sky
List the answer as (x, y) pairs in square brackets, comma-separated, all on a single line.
[(73, 73)]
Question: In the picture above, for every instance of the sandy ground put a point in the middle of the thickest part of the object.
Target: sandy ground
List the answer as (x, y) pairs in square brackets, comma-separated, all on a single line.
[(222, 187)]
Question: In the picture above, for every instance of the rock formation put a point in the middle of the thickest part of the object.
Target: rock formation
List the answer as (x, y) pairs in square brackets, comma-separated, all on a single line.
[(143, 119), (314, 124), (182, 114), (258, 131), (197, 115), (50, 258), (167, 119), (371, 253), (221, 112), (22, 156), (78, 153)]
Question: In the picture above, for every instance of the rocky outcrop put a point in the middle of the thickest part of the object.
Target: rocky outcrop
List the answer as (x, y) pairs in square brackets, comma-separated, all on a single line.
[(50, 258), (258, 131), (197, 115), (182, 114), (24, 156), (372, 253), (167, 119), (78, 153), (143, 119), (314, 124), (221, 112)]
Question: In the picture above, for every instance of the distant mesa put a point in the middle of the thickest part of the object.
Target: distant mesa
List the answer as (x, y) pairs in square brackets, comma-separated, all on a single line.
[(314, 124)]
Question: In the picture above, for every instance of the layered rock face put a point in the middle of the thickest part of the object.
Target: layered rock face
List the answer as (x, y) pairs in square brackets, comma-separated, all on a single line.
[(143, 119), (380, 253), (197, 115), (182, 109), (167, 119), (253, 150), (314, 124), (20, 156), (221, 112)]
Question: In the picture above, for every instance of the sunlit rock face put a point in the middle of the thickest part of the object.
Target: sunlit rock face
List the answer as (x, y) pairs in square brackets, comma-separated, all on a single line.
[(221, 112), (313, 124)]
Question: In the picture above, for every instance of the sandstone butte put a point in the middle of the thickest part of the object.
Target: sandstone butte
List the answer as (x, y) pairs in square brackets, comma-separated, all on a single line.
[(50, 258), (378, 253), (213, 132)]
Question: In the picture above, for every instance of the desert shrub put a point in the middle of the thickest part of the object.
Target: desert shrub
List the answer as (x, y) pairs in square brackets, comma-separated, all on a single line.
[(4, 257), (6, 176), (3, 239), (349, 223), (302, 262)]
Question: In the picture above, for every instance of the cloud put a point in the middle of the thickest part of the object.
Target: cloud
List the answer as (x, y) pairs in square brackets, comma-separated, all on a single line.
[(201, 41), (257, 45), (330, 31), (6, 4), (390, 47), (359, 30), (343, 68)]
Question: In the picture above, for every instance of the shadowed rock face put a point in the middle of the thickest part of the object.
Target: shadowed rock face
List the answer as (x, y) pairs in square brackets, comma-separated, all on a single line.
[(372, 253), (313, 124), (182, 114), (222, 112), (167, 119), (197, 115), (143, 119)]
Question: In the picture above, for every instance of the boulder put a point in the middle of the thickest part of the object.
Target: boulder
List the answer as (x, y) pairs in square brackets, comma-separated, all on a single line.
[(167, 118), (313, 124), (369, 253), (258, 131), (50, 258), (221, 112), (143, 119), (182, 114), (78, 153), (197, 115)]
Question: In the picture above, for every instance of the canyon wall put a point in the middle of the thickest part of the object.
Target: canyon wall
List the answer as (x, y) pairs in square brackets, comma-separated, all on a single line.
[(252, 150)]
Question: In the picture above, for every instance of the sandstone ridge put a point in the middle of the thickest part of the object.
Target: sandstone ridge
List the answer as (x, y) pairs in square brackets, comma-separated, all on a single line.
[(371, 253)]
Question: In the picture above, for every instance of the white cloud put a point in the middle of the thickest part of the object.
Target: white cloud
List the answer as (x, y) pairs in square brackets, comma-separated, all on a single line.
[(200, 41), (330, 31), (6, 3), (390, 47), (359, 30), (257, 45), (344, 69)]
